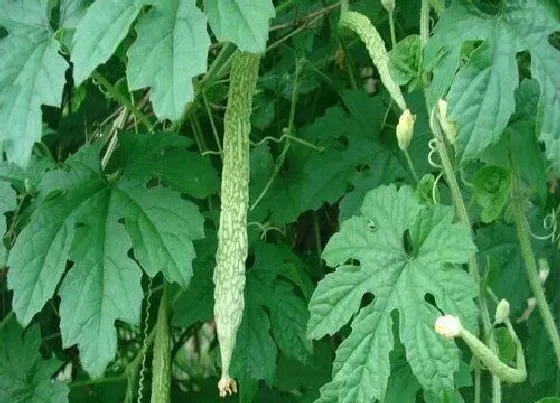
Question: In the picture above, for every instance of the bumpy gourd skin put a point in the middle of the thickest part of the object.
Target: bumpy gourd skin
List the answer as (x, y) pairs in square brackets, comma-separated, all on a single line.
[(161, 364), (363, 27), (229, 274)]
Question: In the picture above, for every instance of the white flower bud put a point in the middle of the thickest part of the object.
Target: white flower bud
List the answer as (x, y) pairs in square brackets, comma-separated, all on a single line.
[(448, 326), (448, 127), (502, 311), (544, 269), (389, 5), (405, 129)]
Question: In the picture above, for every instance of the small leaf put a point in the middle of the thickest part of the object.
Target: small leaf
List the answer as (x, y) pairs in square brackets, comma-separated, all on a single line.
[(243, 22), (24, 375), (171, 49), (491, 191), (405, 61)]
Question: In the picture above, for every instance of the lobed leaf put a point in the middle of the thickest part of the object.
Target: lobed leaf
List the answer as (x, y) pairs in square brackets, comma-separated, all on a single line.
[(400, 271)]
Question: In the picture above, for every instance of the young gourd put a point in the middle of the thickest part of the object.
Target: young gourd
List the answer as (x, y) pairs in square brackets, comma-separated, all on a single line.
[(229, 273)]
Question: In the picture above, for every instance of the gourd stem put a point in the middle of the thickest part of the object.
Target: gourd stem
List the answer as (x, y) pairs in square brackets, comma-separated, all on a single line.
[(460, 208), (124, 101), (392, 29), (531, 263), (411, 165)]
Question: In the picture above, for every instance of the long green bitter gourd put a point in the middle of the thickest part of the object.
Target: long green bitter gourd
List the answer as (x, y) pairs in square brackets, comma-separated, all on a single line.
[(161, 363), (229, 273), (362, 26)]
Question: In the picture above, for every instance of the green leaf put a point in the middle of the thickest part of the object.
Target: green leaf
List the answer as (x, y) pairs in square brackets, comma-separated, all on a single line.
[(31, 75), (481, 98), (243, 22), (255, 351), (7, 203), (491, 191), (549, 400), (170, 50), (165, 157), (254, 357), (400, 270), (92, 223), (499, 243), (24, 375), (99, 32), (405, 61)]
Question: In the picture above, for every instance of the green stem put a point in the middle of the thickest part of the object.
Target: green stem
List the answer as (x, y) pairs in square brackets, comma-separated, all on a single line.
[(88, 382), (461, 211), (392, 29), (424, 22), (291, 125), (124, 101), (215, 71), (411, 165), (531, 263)]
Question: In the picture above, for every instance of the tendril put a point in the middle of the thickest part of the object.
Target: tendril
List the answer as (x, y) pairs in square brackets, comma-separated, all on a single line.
[(145, 337)]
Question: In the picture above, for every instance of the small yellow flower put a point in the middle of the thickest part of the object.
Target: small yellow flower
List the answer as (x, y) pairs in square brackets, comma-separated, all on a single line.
[(405, 129)]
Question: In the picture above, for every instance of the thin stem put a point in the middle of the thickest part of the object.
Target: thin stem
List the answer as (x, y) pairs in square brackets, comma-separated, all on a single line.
[(317, 234), (424, 22), (461, 211), (531, 263), (392, 29), (411, 165), (282, 156), (214, 130), (88, 382), (124, 101)]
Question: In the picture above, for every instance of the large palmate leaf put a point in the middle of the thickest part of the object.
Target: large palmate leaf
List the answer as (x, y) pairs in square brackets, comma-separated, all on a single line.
[(243, 22), (24, 375), (406, 251), (99, 32), (31, 74), (92, 223), (481, 97), (171, 49)]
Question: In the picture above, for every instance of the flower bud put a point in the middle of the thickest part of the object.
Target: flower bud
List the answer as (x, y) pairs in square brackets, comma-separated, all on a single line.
[(448, 127), (405, 129), (502, 311), (448, 326), (389, 5), (544, 270)]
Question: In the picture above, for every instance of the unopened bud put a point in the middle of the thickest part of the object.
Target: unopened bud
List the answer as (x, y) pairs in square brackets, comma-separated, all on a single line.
[(405, 129), (448, 326), (544, 270), (448, 127), (502, 311), (29, 186), (389, 5)]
